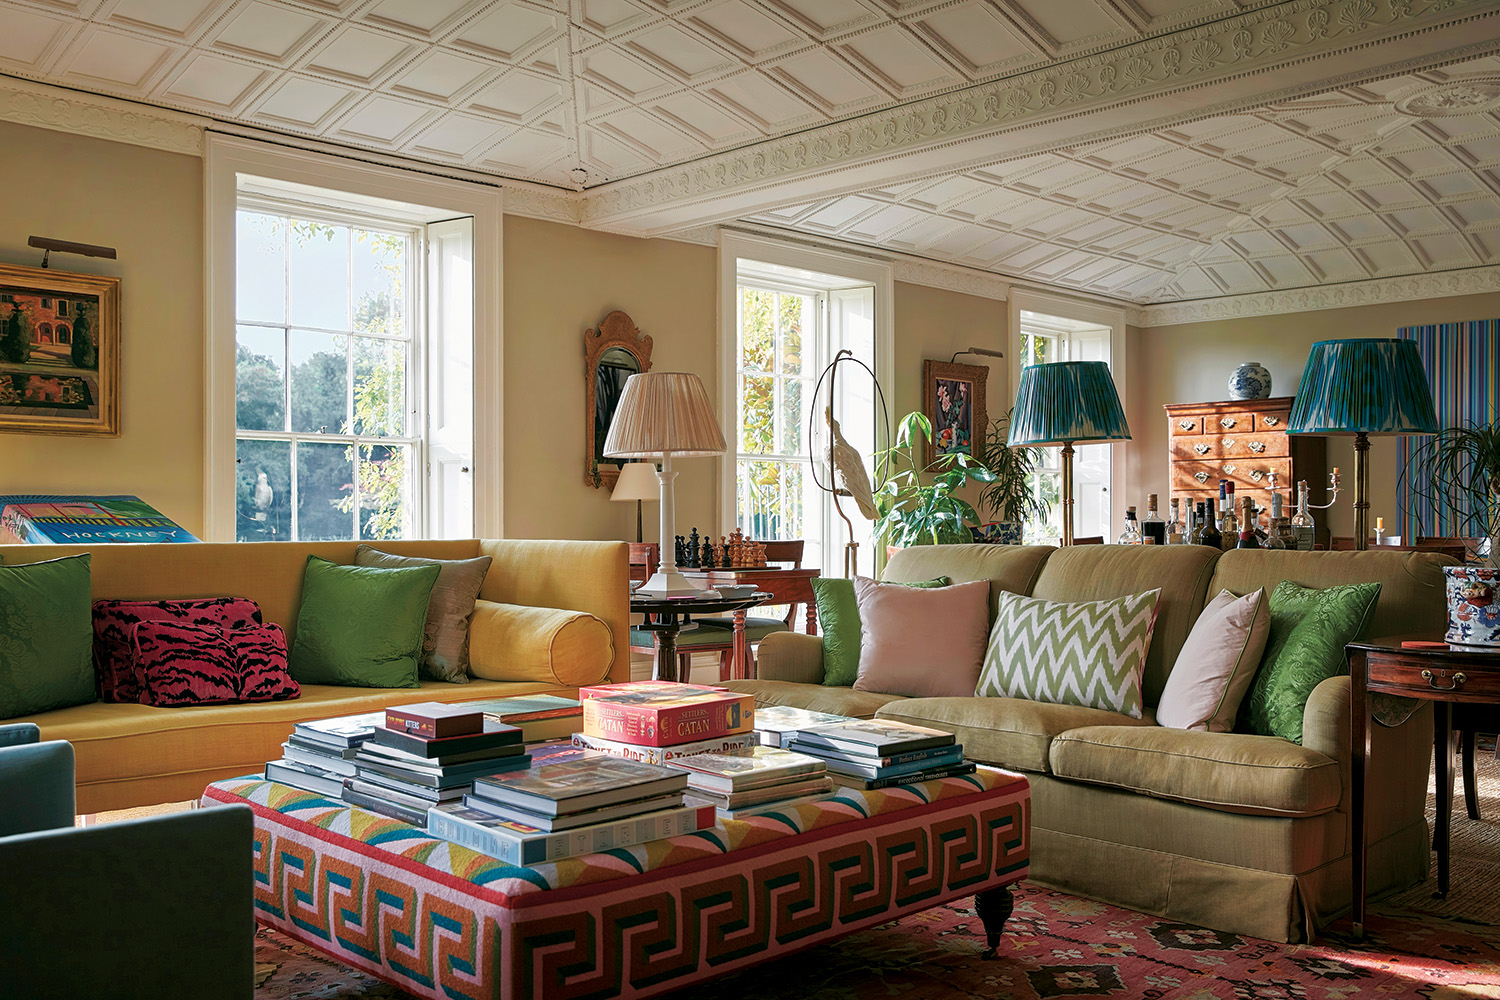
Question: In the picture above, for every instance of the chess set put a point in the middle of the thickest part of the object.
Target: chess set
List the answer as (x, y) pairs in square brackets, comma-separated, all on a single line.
[(733, 552)]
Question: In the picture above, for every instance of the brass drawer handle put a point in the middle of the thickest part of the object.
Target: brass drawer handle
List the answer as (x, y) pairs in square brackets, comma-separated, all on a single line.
[(1226, 422), (1257, 446), (1229, 470), (1257, 475), (1202, 477), (1270, 421), (1202, 449), (1458, 680), (1187, 425)]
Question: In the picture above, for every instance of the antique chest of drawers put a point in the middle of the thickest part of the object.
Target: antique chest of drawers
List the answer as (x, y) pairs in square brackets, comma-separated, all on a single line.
[(1244, 441)]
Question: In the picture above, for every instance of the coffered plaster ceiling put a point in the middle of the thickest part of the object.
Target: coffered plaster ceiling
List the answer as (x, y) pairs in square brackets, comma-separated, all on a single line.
[(1148, 150)]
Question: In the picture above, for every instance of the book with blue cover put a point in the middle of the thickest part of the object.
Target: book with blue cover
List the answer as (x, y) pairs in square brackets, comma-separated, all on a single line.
[(871, 767), (517, 843), (85, 520)]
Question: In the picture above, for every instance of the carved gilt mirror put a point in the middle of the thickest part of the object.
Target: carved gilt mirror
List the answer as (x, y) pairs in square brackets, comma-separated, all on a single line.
[(612, 353)]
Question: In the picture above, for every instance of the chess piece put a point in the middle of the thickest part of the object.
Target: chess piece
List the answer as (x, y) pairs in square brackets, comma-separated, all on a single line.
[(679, 552), (724, 554), (693, 550), (708, 561), (760, 553)]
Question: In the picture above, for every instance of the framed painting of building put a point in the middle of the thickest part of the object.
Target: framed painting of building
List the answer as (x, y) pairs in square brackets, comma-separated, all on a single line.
[(953, 399), (59, 352)]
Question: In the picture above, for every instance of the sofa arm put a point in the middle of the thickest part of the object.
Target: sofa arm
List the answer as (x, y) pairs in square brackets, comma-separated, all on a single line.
[(36, 787), (18, 733), (790, 656)]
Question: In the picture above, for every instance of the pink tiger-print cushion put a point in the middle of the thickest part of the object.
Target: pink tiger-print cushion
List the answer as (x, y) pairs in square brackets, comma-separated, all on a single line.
[(204, 665), (115, 673)]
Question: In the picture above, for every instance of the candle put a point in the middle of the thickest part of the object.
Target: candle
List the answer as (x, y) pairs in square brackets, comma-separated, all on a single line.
[(1380, 524), (1335, 471)]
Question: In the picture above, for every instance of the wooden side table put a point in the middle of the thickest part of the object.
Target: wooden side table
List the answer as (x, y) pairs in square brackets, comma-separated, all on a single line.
[(784, 584), (667, 616), (1442, 674)]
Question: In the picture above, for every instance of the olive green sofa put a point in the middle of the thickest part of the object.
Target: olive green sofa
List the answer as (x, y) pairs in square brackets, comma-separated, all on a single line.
[(1241, 833)]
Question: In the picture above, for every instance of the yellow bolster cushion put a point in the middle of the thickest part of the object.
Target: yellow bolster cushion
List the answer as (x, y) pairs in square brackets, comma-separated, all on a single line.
[(511, 642)]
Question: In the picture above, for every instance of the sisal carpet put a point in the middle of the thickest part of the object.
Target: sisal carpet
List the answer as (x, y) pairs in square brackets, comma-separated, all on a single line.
[(1057, 945)]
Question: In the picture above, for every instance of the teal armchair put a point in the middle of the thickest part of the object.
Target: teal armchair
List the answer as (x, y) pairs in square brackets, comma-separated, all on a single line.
[(149, 908)]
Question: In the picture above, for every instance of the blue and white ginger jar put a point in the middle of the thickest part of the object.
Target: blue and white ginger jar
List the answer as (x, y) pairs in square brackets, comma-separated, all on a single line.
[(1251, 380)]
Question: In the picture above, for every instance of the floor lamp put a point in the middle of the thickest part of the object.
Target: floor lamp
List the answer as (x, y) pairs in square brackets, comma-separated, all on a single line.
[(662, 414), (1067, 403), (637, 482), (1363, 387)]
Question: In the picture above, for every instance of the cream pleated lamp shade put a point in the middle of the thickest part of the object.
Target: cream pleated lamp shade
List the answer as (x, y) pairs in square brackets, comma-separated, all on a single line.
[(664, 413)]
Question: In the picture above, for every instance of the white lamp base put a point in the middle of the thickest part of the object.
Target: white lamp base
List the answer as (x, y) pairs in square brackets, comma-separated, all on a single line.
[(670, 583)]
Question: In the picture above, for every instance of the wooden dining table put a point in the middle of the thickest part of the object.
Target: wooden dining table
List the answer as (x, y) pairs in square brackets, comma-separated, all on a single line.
[(785, 584)]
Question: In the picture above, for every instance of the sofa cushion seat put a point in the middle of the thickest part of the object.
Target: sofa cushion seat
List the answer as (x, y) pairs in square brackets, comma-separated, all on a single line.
[(815, 697), (1230, 772), (1005, 732)]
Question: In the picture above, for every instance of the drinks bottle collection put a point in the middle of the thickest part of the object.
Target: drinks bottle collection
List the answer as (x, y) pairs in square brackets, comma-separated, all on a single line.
[(1225, 526)]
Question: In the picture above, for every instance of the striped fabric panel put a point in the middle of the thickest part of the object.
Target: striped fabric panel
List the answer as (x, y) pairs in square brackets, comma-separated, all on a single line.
[(1462, 361)]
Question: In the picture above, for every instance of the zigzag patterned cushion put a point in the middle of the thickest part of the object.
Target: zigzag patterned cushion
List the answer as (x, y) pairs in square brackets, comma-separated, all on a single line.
[(183, 664), (114, 671), (1089, 654)]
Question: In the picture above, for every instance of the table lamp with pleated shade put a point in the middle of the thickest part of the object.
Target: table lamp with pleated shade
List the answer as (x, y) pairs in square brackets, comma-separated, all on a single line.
[(637, 482), (1066, 403), (662, 414), (1363, 387)]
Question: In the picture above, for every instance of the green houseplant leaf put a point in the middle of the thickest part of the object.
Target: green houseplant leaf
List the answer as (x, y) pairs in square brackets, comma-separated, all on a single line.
[(918, 511), (1458, 470)]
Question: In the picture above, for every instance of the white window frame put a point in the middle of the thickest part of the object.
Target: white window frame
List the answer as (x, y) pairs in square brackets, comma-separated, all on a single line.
[(863, 270), (226, 159)]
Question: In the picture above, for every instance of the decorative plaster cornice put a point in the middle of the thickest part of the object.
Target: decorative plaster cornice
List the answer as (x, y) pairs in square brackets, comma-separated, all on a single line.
[(1231, 48), (540, 203), (955, 279), (27, 103), (1376, 291)]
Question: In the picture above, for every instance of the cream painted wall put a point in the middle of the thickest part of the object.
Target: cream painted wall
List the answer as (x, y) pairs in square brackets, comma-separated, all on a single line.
[(1192, 362), (148, 205)]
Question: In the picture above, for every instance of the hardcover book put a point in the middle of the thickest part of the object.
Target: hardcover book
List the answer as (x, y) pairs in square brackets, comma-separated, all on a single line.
[(568, 821), (495, 734), (416, 815), (643, 687), (84, 520), (434, 720), (343, 731), (526, 708), (412, 791), (666, 718), (765, 793), (861, 769), (518, 844), (929, 774), (373, 790), (370, 750), (447, 777), (760, 809), (938, 754), (775, 724), (305, 777), (312, 758), (874, 737), (752, 767), (586, 783), (660, 755)]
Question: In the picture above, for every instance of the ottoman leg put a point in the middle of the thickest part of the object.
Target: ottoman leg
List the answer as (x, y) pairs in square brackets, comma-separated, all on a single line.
[(993, 907)]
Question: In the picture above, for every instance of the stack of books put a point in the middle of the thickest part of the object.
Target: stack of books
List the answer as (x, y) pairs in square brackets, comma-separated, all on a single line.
[(425, 754), (777, 725), (319, 756), (874, 753), (755, 780), (570, 803), (658, 721), (540, 717)]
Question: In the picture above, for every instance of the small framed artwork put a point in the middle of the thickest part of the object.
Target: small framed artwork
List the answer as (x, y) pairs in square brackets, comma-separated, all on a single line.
[(953, 399), (59, 352)]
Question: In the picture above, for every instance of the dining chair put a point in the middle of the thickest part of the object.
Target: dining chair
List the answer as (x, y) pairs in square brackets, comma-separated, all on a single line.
[(1088, 540)]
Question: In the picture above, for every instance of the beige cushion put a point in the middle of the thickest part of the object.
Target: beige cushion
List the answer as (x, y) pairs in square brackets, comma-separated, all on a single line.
[(920, 642), (511, 642), (1230, 772), (1005, 732), (1217, 663), (814, 697), (445, 635)]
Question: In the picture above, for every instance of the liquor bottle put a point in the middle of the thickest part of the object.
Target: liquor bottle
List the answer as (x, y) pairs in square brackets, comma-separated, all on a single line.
[(1153, 528), (1248, 538), (1211, 535), (1302, 522), (1195, 528), (1132, 533), (1285, 537), (1229, 528), (1176, 529)]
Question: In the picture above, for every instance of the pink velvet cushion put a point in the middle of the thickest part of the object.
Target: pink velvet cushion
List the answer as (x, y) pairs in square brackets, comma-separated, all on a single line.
[(114, 671), (1216, 665), (922, 643), (182, 664)]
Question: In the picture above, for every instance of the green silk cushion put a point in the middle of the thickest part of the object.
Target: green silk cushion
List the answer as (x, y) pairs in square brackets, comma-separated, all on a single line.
[(361, 626), (1090, 654), (46, 636), (839, 621), (1309, 629), (445, 637)]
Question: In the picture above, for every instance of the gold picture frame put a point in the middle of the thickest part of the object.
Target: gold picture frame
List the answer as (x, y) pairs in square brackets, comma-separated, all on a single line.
[(59, 352), (953, 399)]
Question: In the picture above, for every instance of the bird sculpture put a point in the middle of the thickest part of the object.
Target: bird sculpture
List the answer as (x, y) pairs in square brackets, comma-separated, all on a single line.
[(849, 470), (263, 497)]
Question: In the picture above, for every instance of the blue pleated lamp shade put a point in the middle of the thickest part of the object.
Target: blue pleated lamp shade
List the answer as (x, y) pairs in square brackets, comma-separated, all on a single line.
[(1376, 386), (1067, 401)]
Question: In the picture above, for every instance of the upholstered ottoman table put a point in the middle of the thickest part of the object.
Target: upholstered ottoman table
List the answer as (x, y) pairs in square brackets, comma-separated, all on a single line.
[(442, 921)]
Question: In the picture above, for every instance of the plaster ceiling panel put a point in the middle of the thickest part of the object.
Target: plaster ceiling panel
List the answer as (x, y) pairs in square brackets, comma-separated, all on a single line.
[(927, 230), (751, 34), (301, 103), (1285, 271), (423, 18), (825, 82), (1417, 221), (508, 33), (178, 19), (840, 212), (1030, 257), (264, 31), (116, 60), (1055, 266), (1173, 10), (440, 76), (946, 193), (679, 54), (824, 19), (978, 39), (1445, 187), (1235, 278), (646, 130), (1109, 240), (455, 137), (759, 100), (517, 96), (610, 17), (1459, 128), (1479, 212), (1444, 250), (889, 219), (554, 57), (1393, 257), (711, 124), (1071, 25), (1389, 196), (1335, 265), (384, 120), (959, 242), (1306, 237), (617, 71), (594, 100), (1330, 204), (524, 151), (1055, 221), (1359, 227), (1129, 276), (359, 55), (1479, 152), (27, 38), (1129, 151), (901, 65), (558, 120), (995, 250), (1254, 243), (216, 85), (611, 156), (1192, 283)]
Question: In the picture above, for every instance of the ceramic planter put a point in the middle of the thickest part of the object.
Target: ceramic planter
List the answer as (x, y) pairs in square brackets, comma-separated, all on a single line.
[(1473, 605)]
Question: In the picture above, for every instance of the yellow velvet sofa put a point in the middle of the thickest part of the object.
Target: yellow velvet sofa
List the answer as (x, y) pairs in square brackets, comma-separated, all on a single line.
[(133, 755), (1241, 833)]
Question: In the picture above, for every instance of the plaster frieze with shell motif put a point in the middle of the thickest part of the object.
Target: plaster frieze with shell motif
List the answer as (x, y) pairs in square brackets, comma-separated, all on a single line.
[(1250, 43), (101, 117)]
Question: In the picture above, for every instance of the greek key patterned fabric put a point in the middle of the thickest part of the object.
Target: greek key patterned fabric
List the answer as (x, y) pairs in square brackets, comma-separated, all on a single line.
[(1089, 654)]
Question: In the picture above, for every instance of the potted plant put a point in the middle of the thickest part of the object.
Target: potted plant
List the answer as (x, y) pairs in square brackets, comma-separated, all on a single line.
[(925, 511), (1459, 468), (1010, 499)]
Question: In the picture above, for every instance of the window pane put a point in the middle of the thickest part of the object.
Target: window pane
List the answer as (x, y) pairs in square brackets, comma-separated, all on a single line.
[(757, 329), (263, 491), (379, 387), (320, 382), (760, 499), (379, 270), (259, 379), (757, 414), (792, 308), (384, 510), (319, 263), (793, 430), (260, 268), (325, 481)]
